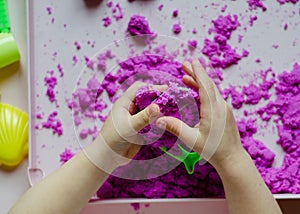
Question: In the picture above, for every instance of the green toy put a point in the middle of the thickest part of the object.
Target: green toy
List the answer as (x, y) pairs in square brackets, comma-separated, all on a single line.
[(189, 159), (4, 23), (9, 52)]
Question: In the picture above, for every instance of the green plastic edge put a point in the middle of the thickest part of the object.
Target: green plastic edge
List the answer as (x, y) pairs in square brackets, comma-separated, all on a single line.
[(189, 159), (4, 21)]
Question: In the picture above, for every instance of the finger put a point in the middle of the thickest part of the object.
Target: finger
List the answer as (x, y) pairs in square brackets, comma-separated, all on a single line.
[(134, 149), (145, 117), (187, 68), (132, 108), (197, 125), (175, 126), (206, 89), (160, 88), (189, 81), (130, 93)]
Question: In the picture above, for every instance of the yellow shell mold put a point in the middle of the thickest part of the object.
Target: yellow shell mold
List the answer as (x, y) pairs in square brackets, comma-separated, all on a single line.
[(13, 135)]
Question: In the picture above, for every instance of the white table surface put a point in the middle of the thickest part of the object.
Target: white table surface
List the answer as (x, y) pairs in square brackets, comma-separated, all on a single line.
[(13, 88)]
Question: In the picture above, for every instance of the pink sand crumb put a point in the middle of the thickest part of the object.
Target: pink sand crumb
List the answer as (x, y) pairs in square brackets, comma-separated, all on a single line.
[(287, 1), (254, 4), (160, 7), (175, 13), (39, 115), (136, 206), (240, 38), (53, 123), (192, 44), (106, 21), (49, 10), (60, 69), (74, 59), (83, 133), (252, 19), (219, 52), (117, 12), (77, 45), (50, 82), (139, 26), (66, 155), (176, 28), (84, 99), (101, 59), (225, 25), (77, 121), (109, 4), (223, 9), (245, 53), (89, 62)]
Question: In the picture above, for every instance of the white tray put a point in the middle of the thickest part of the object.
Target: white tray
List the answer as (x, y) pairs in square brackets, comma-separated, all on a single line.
[(85, 24)]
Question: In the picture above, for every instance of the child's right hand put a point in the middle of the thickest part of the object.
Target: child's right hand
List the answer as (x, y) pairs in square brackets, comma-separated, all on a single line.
[(215, 137)]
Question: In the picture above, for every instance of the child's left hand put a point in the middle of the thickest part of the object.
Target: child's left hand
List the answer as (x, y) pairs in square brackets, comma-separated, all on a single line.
[(120, 130)]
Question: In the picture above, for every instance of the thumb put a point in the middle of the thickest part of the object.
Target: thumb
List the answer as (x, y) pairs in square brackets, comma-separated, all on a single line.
[(177, 127), (145, 117)]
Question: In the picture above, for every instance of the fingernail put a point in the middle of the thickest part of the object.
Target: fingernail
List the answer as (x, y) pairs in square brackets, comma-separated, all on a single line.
[(161, 124)]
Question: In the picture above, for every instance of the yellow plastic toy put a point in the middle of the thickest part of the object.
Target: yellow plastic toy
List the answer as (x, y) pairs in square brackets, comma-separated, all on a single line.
[(13, 135)]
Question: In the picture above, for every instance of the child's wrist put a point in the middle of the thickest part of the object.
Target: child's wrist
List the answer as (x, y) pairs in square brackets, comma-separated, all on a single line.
[(101, 155), (232, 162)]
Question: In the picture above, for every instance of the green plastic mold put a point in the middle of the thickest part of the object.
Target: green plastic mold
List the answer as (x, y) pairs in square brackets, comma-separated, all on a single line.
[(189, 159)]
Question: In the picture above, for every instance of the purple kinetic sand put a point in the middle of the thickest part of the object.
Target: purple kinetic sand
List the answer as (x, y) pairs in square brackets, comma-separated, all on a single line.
[(287, 1), (160, 7), (176, 28), (252, 19), (252, 93), (66, 155), (223, 9), (205, 181), (192, 43), (109, 4), (220, 53), (225, 25), (50, 82), (101, 60), (89, 62), (106, 21), (175, 183), (138, 26), (158, 67), (49, 10), (86, 103), (53, 123), (77, 45), (285, 112), (61, 70), (175, 13), (117, 12), (253, 4)]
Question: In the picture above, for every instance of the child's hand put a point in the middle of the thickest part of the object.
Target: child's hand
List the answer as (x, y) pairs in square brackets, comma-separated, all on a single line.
[(216, 137), (120, 130)]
